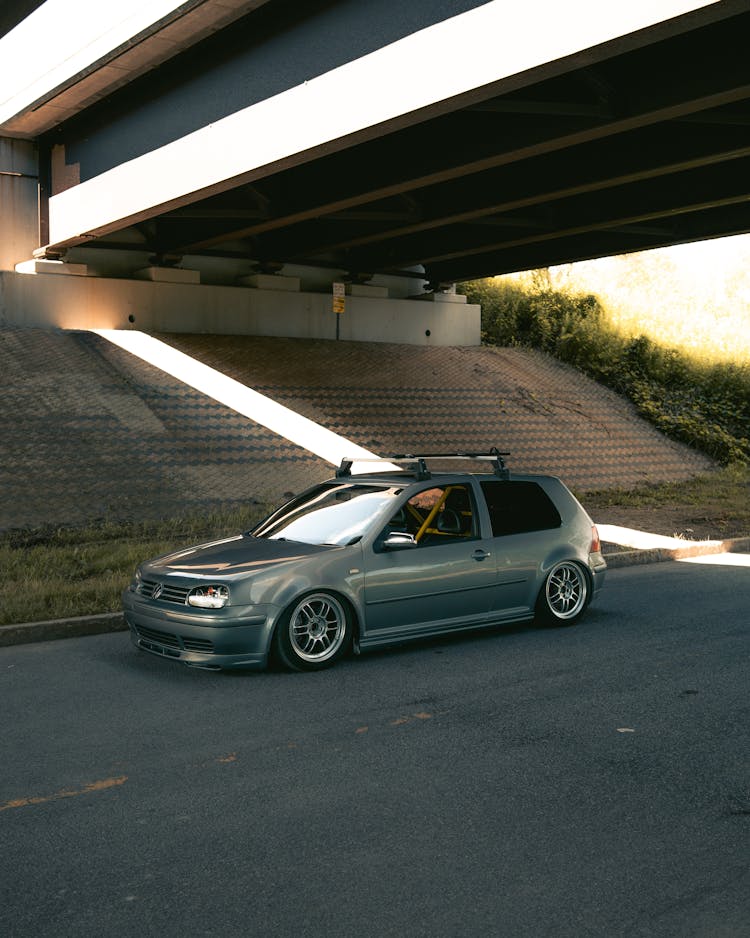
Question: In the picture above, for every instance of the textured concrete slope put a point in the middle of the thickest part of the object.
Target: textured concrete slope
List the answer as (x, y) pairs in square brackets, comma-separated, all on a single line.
[(91, 432), (398, 398)]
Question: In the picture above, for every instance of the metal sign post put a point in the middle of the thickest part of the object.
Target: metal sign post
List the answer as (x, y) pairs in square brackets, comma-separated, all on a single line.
[(339, 302)]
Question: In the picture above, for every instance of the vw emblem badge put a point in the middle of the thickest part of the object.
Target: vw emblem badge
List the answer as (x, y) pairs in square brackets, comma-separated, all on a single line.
[(157, 591)]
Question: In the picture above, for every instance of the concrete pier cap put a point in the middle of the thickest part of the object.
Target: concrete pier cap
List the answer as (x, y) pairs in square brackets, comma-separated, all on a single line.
[(57, 294)]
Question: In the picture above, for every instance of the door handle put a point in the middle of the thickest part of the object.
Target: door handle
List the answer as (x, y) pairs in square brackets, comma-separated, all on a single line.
[(480, 554)]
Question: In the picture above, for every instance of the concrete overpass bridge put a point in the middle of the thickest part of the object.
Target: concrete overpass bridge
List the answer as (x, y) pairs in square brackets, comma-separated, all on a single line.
[(215, 165)]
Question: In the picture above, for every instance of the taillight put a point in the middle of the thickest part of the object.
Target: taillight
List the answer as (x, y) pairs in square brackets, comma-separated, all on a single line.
[(596, 544)]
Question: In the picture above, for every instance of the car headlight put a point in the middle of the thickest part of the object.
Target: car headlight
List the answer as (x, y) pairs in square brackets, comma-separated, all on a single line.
[(208, 597), (135, 583)]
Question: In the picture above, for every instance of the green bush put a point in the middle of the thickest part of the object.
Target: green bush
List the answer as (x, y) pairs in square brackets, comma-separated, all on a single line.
[(706, 406)]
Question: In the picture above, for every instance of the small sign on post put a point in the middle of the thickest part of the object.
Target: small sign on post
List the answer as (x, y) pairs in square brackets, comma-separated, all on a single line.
[(339, 297), (339, 302)]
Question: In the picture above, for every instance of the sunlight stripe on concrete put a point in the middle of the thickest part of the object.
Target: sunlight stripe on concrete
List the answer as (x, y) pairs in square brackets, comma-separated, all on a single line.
[(242, 399), (643, 540), (720, 560)]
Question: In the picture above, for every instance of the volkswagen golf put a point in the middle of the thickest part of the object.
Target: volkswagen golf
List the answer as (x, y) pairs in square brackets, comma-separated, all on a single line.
[(362, 561)]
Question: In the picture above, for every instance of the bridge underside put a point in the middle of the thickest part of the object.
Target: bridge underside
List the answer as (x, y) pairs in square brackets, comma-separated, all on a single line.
[(635, 144), (460, 140)]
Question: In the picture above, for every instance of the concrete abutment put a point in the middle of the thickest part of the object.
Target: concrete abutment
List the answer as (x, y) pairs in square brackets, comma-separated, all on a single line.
[(63, 297)]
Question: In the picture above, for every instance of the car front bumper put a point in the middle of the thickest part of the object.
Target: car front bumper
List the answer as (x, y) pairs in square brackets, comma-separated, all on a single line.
[(238, 638)]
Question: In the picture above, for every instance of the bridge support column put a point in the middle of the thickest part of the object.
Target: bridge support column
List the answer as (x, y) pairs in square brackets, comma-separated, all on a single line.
[(19, 218)]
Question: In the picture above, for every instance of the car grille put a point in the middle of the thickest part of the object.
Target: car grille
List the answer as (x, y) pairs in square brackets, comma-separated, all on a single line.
[(170, 640), (169, 593)]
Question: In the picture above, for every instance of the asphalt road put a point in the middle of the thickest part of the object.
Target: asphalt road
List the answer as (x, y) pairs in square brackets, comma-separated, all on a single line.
[(592, 781)]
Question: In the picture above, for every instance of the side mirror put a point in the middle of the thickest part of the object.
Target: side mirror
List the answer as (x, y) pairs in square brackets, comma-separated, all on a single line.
[(399, 540)]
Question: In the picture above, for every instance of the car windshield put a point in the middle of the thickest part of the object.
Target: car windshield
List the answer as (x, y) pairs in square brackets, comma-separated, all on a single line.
[(330, 514)]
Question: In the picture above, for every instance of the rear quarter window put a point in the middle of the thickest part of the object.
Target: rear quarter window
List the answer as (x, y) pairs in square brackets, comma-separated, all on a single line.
[(516, 507)]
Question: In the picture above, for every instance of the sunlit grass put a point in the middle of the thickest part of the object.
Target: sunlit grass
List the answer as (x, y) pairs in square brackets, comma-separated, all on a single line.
[(694, 298), (708, 333)]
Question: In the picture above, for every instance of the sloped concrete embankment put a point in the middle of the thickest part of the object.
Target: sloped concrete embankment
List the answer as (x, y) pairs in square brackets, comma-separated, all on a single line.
[(94, 433)]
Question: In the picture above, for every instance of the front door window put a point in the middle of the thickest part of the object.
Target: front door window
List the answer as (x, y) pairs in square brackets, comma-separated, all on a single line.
[(440, 515)]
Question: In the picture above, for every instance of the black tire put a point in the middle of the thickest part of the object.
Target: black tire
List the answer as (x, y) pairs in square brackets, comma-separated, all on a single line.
[(313, 632), (564, 596)]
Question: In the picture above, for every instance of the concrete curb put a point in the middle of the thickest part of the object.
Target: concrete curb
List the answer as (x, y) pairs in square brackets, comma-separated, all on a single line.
[(630, 558), (27, 632)]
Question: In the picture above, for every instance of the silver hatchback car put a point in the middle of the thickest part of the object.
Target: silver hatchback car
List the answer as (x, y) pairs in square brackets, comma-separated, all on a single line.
[(363, 561)]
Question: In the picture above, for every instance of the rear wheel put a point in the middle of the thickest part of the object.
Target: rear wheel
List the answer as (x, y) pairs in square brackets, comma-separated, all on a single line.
[(313, 632), (564, 596)]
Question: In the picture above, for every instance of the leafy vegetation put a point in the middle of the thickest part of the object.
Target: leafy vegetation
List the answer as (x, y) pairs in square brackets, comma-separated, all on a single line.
[(693, 297), (705, 403)]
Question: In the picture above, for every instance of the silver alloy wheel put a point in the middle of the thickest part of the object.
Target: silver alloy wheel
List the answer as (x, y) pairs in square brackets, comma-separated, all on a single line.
[(566, 590), (317, 627)]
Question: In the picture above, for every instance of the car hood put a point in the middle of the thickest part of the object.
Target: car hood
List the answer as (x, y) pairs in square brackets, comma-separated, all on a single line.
[(233, 556)]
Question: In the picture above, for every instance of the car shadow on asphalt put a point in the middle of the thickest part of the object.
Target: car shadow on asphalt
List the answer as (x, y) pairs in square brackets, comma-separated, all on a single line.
[(147, 664)]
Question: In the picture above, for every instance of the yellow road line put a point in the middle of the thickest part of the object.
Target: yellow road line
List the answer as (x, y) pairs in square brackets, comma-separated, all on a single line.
[(101, 785)]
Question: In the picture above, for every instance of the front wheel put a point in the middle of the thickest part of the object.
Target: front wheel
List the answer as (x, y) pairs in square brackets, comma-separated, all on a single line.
[(313, 632), (564, 596)]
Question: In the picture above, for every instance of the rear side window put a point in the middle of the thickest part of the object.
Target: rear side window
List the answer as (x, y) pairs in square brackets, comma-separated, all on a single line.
[(516, 507)]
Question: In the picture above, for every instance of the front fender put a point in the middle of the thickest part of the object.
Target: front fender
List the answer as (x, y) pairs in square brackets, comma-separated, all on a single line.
[(341, 572)]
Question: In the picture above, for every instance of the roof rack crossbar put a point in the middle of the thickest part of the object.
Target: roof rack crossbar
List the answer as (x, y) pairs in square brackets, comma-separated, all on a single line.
[(419, 467)]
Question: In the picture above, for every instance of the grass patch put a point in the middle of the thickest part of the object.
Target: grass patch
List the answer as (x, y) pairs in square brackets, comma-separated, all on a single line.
[(714, 507), (76, 571), (727, 490)]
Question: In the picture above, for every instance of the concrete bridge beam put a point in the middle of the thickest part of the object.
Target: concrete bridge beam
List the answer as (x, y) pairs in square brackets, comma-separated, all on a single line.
[(185, 163), (463, 60)]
